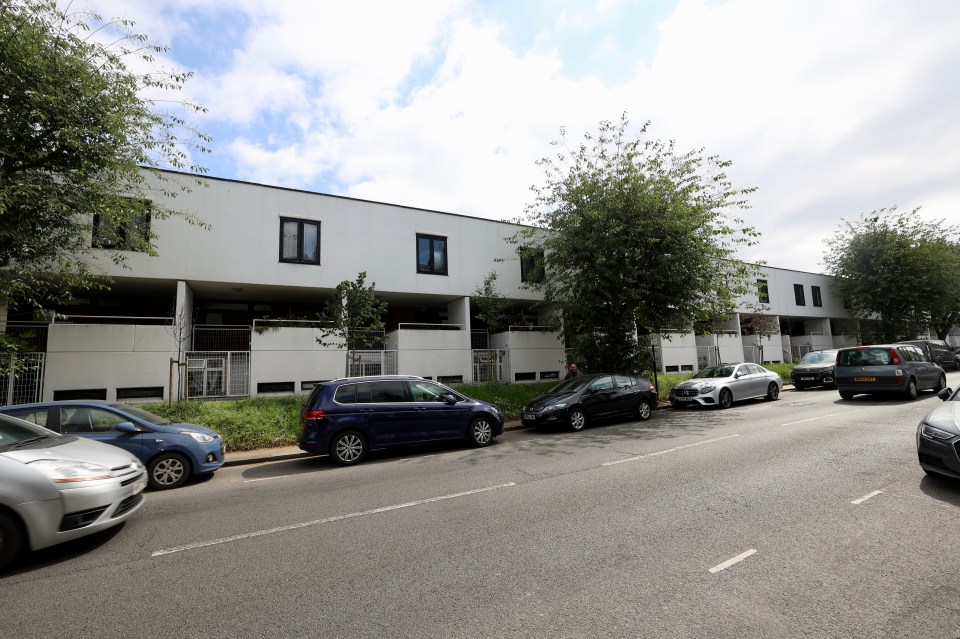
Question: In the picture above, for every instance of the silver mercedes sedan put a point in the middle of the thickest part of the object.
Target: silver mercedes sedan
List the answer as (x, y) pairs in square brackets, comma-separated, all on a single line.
[(724, 384)]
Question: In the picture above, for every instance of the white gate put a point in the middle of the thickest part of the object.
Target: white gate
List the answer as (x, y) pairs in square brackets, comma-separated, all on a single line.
[(21, 378), (218, 374), (372, 362), (488, 365)]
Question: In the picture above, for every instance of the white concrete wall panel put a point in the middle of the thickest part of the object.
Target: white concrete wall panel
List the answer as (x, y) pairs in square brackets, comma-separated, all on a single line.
[(110, 370)]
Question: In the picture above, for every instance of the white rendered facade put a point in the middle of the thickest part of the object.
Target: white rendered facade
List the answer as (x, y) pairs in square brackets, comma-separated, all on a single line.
[(211, 306)]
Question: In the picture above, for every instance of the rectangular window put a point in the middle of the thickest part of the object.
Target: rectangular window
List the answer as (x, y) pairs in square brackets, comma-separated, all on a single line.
[(299, 241), (130, 231), (815, 292), (799, 295), (431, 254), (531, 264), (763, 291)]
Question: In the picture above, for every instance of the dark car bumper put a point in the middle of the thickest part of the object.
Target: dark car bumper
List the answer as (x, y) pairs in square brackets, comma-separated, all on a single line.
[(939, 456), (808, 379), (544, 417)]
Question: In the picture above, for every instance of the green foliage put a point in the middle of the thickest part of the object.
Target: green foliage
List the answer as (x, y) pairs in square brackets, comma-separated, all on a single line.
[(492, 308), (354, 315), (898, 269), (640, 240), (509, 398), (75, 130)]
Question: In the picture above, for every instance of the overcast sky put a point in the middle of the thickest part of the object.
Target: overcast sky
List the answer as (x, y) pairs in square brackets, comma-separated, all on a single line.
[(831, 108)]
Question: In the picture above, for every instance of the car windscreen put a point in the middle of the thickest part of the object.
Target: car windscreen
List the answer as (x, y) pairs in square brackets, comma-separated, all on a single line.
[(16, 431), (715, 371), (571, 385), (142, 415), (819, 358)]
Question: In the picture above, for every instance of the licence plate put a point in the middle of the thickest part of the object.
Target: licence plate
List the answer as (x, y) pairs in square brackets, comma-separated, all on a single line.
[(529, 416), (684, 399), (806, 379), (864, 379)]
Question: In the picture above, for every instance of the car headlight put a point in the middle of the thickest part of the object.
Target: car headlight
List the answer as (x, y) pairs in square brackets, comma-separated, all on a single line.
[(935, 433), (707, 389), (557, 405), (202, 438), (66, 471)]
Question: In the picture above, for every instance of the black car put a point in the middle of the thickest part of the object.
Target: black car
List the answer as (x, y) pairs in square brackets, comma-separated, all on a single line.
[(576, 401), (815, 369), (938, 351), (887, 368), (938, 437), (347, 417)]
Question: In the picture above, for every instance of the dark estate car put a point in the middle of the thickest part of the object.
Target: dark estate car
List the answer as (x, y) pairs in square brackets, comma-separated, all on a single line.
[(348, 417), (172, 452), (815, 369), (938, 437), (575, 401), (938, 351), (886, 368)]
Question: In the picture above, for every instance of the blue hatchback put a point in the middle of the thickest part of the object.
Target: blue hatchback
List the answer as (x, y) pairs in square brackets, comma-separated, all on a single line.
[(171, 452), (347, 417)]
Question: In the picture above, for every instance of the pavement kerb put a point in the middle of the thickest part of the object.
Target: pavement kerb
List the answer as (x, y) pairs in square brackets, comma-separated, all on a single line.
[(292, 452)]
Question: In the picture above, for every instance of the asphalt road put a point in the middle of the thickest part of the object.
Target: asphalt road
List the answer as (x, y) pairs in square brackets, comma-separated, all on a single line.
[(804, 517)]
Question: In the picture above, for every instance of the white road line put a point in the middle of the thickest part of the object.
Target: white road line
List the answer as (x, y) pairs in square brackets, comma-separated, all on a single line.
[(247, 481), (735, 560), (866, 497), (317, 522), (669, 450), (813, 419)]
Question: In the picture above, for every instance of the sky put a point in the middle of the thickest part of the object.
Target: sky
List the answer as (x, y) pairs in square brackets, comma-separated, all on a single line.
[(830, 108)]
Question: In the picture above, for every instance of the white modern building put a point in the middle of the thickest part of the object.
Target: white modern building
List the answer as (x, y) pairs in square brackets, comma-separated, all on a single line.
[(211, 315)]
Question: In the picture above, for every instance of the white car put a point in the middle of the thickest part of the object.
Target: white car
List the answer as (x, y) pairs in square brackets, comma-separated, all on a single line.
[(54, 488), (724, 384)]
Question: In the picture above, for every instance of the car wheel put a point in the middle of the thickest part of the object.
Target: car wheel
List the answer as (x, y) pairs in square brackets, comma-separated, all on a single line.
[(169, 470), (348, 448), (644, 410), (911, 392), (941, 384), (481, 431), (846, 395), (773, 391), (726, 398), (11, 539), (578, 420)]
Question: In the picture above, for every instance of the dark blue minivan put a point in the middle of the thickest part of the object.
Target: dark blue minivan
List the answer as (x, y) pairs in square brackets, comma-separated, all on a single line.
[(348, 417)]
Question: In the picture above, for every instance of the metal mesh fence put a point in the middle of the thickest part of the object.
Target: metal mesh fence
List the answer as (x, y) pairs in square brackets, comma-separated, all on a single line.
[(218, 374), (221, 338), (21, 378), (372, 362), (488, 365)]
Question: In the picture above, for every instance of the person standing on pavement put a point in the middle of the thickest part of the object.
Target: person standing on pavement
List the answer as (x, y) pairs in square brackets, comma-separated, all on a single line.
[(572, 371)]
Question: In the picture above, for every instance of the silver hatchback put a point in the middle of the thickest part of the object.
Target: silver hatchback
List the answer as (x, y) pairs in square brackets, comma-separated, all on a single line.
[(54, 488)]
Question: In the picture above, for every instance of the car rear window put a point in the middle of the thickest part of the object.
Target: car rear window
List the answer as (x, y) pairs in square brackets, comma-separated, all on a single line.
[(865, 357)]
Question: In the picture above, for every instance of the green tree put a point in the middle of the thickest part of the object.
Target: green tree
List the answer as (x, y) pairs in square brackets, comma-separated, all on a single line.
[(78, 126), (353, 316), (897, 269), (641, 238), (493, 308)]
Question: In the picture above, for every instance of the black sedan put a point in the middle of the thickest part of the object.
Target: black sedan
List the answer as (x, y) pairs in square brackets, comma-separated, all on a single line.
[(576, 401)]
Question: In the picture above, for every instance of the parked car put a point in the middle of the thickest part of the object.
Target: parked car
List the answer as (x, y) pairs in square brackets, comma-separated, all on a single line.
[(815, 369), (172, 452), (54, 488), (579, 400), (724, 384), (348, 417), (886, 368), (938, 437), (938, 351)]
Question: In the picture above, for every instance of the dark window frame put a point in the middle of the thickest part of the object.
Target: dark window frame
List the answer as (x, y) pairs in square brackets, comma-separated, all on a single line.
[(798, 295), (299, 259), (763, 291), (531, 264), (430, 268), (132, 235), (817, 296)]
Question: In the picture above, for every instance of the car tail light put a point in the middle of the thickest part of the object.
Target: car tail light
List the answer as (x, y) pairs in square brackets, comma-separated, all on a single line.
[(894, 357), (313, 414)]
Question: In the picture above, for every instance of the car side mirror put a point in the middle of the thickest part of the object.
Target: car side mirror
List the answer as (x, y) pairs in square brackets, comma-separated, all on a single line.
[(126, 427), (450, 399), (945, 393)]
